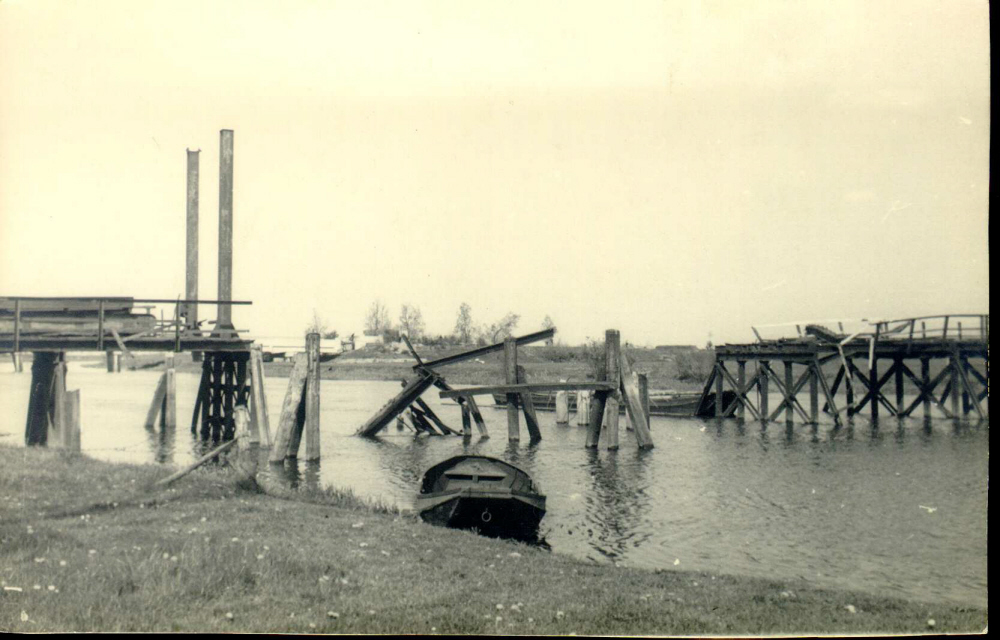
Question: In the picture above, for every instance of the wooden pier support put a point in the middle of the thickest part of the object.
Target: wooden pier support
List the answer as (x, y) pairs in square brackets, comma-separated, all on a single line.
[(528, 406), (466, 421), (15, 358), (312, 397), (53, 413), (292, 412), (164, 404), (599, 399), (191, 255), (583, 408), (260, 424), (643, 382), (224, 385), (510, 376), (225, 311)]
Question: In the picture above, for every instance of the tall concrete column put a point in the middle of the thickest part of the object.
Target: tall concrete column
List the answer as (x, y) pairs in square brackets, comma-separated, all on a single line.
[(225, 314)]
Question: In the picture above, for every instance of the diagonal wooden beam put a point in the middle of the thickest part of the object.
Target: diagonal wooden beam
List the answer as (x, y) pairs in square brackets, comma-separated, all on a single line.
[(789, 395), (538, 336), (925, 391), (836, 385), (392, 408), (829, 393), (741, 392), (874, 390), (964, 379)]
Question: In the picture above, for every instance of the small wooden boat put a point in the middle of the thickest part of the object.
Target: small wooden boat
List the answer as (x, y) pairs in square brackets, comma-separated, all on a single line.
[(488, 495)]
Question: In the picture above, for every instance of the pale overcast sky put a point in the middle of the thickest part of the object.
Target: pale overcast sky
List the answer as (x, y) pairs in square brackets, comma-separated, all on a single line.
[(676, 170)]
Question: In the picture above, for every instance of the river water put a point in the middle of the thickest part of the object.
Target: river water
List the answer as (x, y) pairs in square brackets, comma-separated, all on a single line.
[(896, 510)]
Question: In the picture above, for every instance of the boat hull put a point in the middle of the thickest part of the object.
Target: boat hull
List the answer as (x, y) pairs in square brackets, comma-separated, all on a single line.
[(516, 517), (678, 406)]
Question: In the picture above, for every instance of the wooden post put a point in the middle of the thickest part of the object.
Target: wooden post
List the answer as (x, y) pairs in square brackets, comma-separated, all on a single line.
[(290, 410), (762, 382), (191, 262), (170, 395), (613, 368), (36, 428), (478, 417), (720, 409), (644, 394), (510, 377), (849, 385), (789, 393), (15, 358), (873, 388), (634, 409), (225, 316), (57, 402), (562, 406), (466, 420), (899, 385), (741, 380), (312, 397), (925, 378), (156, 406), (71, 421), (582, 408), (247, 448), (955, 386), (110, 357), (259, 419), (528, 406), (814, 395), (599, 399)]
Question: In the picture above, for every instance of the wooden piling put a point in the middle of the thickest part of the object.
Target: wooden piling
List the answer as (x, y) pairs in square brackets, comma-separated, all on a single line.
[(260, 424), (562, 406), (528, 406), (478, 417), (925, 378), (15, 358), (248, 449), (741, 381), (71, 421), (510, 377), (600, 398), (289, 421), (762, 383), (156, 406), (643, 382), (789, 392), (898, 375), (170, 395), (814, 395), (955, 386), (58, 402), (312, 397), (36, 428), (873, 389), (466, 421), (110, 357), (582, 408), (636, 411)]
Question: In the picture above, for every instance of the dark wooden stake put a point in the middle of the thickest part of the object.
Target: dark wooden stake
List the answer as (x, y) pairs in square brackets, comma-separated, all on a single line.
[(510, 377), (312, 397)]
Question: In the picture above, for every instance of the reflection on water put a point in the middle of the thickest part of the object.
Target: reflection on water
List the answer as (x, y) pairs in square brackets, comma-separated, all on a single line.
[(897, 507)]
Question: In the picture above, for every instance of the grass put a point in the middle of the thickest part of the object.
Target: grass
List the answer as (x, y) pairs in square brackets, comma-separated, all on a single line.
[(91, 546)]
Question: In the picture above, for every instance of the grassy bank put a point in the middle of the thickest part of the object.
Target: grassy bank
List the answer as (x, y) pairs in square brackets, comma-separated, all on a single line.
[(87, 546)]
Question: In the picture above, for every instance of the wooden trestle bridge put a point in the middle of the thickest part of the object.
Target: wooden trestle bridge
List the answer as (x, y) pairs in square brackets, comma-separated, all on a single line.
[(943, 359)]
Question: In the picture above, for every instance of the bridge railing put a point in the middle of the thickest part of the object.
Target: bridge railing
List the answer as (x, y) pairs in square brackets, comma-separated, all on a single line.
[(955, 326)]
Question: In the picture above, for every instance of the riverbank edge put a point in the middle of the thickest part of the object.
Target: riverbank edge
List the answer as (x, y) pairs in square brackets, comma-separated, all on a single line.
[(87, 545)]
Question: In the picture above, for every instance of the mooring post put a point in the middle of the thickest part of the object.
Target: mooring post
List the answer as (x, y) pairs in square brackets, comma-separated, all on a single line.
[(763, 384), (562, 406), (510, 376), (191, 262), (582, 408), (225, 313), (248, 450), (312, 397)]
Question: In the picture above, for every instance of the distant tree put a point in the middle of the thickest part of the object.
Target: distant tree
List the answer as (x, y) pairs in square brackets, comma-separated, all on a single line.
[(547, 323), (377, 319), (463, 324), (330, 335), (318, 325), (502, 328), (411, 321)]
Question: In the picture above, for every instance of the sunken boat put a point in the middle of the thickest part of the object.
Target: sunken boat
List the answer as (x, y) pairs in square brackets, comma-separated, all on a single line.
[(490, 496), (670, 404)]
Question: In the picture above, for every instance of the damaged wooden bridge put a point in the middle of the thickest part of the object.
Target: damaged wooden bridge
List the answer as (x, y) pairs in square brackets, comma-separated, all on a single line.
[(952, 361)]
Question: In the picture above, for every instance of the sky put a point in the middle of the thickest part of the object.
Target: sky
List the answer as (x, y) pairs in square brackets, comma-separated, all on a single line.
[(677, 170)]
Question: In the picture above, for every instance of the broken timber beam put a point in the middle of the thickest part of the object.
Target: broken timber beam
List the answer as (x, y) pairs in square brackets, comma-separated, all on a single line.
[(475, 353), (527, 388), (395, 406)]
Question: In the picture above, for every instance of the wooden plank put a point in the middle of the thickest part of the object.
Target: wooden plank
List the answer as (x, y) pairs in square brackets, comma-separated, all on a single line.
[(478, 417), (22, 326), (525, 388), (65, 305), (156, 406), (396, 405), (635, 408), (197, 463), (528, 406), (312, 397), (475, 353), (290, 408), (643, 382), (510, 375)]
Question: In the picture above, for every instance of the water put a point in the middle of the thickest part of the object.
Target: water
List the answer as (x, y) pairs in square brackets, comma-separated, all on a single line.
[(898, 510)]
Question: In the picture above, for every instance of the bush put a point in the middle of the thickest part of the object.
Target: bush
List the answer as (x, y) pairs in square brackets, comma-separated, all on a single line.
[(694, 366)]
